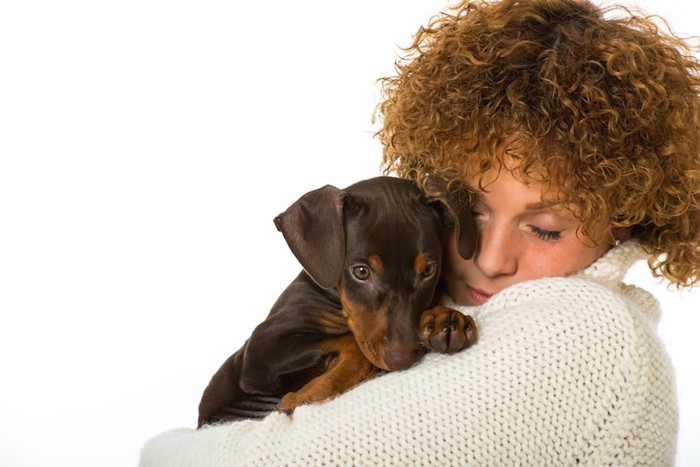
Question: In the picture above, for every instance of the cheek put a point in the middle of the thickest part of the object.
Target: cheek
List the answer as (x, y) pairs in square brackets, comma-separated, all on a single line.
[(586, 256), (566, 259)]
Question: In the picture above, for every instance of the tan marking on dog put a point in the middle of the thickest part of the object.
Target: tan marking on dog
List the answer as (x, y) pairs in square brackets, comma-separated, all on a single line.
[(420, 263), (369, 328), (376, 263), (348, 368)]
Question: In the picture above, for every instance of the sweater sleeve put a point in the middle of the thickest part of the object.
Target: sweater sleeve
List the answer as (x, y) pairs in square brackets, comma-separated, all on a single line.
[(566, 371)]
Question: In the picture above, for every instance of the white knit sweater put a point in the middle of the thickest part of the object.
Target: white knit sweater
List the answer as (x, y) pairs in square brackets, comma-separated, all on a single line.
[(566, 371)]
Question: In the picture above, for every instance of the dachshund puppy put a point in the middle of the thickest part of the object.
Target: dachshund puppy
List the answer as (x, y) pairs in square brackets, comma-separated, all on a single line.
[(365, 301)]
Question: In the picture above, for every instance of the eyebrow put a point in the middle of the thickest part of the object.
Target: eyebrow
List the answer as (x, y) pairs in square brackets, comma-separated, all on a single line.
[(541, 205), (536, 206)]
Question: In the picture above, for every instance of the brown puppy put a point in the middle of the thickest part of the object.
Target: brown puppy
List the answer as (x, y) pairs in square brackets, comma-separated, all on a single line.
[(371, 255)]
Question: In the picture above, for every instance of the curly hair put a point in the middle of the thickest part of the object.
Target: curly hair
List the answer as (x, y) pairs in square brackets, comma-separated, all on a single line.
[(602, 102)]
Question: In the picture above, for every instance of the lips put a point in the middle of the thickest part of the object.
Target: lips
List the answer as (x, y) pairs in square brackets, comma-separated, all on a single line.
[(477, 296)]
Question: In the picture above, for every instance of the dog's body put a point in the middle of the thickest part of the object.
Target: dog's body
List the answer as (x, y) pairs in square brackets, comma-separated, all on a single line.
[(371, 255)]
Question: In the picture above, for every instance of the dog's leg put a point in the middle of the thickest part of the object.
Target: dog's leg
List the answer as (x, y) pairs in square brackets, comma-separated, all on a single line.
[(348, 368)]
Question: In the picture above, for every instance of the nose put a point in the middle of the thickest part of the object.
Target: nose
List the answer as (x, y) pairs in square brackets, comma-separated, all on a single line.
[(496, 253), (400, 356)]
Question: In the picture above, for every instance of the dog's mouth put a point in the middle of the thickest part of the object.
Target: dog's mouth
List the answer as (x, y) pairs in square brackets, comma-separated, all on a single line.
[(371, 337), (401, 356), (392, 356)]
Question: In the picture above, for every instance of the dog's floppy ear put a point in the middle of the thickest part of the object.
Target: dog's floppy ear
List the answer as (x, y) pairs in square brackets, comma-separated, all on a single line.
[(313, 228), (457, 211)]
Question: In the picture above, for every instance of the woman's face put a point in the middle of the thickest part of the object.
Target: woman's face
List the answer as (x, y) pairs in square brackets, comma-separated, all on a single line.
[(520, 238)]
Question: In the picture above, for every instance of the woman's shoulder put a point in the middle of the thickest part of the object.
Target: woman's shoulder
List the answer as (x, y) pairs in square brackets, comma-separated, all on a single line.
[(580, 305), (592, 320), (575, 327)]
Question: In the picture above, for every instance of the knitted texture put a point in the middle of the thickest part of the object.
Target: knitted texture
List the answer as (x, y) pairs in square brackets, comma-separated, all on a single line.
[(566, 371)]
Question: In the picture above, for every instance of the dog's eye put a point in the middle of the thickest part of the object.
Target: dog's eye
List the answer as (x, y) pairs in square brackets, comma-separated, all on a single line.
[(430, 270), (360, 272)]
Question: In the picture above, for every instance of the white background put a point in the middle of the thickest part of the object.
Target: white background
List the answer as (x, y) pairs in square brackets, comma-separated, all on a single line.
[(145, 147)]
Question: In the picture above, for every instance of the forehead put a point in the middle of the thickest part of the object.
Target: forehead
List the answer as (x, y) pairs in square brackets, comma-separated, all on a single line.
[(533, 185), (396, 237), (393, 232), (391, 219), (514, 192)]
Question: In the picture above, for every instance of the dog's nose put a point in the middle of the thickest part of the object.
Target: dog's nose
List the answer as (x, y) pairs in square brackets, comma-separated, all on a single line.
[(400, 356)]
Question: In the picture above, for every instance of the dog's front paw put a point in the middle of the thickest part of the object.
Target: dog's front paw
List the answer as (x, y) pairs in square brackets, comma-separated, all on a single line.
[(290, 402), (446, 330)]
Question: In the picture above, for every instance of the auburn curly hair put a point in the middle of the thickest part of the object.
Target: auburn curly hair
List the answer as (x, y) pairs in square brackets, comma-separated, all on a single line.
[(603, 102)]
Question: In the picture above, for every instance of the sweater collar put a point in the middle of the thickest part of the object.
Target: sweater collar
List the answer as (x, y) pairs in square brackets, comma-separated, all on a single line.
[(613, 265)]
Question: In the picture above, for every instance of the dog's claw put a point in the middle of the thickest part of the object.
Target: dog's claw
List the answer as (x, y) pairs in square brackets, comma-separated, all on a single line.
[(456, 331)]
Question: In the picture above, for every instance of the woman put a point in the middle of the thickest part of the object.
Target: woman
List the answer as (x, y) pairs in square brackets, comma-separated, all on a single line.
[(603, 115), (577, 137)]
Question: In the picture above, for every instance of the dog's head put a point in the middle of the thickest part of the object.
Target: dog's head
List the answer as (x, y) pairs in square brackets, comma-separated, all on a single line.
[(379, 243)]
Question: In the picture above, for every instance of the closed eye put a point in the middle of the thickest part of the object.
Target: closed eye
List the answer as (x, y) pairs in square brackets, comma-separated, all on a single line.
[(545, 234)]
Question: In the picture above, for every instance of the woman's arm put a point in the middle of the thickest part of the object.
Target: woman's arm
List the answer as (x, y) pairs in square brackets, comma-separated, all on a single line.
[(565, 371)]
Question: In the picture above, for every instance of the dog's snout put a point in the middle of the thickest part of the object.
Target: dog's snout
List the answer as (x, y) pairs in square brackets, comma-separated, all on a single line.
[(400, 356)]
